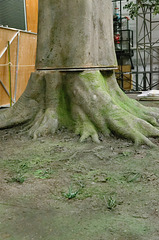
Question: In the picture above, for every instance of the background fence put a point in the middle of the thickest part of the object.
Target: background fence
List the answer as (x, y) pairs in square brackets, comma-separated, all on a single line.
[(22, 47)]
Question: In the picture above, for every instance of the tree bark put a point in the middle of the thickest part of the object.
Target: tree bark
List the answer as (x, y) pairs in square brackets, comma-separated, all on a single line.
[(74, 85), (75, 34)]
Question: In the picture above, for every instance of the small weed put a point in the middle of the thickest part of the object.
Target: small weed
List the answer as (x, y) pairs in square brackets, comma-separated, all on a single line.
[(126, 153), (132, 177), (111, 203), (18, 179), (71, 194), (43, 173), (108, 179), (23, 167)]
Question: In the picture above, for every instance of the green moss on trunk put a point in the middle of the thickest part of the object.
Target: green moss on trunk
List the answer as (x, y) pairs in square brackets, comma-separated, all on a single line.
[(88, 103)]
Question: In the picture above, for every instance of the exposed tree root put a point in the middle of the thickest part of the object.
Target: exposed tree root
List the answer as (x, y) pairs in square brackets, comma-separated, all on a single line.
[(87, 102)]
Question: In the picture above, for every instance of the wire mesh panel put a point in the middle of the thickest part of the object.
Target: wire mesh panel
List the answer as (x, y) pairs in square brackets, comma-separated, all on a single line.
[(13, 14)]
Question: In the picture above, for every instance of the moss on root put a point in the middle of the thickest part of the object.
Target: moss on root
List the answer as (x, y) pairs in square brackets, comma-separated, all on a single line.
[(88, 102)]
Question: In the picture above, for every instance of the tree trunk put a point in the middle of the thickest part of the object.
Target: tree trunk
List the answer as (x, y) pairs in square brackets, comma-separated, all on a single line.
[(75, 35), (74, 85)]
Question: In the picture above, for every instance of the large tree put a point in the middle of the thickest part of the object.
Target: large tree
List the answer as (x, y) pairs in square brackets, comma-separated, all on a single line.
[(74, 85)]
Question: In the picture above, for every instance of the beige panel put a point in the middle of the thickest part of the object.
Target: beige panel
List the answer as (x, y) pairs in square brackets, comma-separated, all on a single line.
[(32, 15), (27, 54)]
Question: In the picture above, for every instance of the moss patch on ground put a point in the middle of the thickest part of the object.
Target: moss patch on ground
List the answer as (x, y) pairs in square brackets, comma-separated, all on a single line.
[(116, 186)]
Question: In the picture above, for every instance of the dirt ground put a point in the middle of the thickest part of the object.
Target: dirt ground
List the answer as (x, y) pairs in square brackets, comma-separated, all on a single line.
[(56, 188)]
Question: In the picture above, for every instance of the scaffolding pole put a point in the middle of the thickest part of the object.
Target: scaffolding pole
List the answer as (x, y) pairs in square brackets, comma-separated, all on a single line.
[(146, 50)]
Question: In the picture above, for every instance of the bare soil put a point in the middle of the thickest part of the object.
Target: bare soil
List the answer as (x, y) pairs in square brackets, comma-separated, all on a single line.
[(56, 188)]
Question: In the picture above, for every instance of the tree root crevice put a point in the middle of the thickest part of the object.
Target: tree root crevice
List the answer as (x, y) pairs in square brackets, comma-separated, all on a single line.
[(88, 102)]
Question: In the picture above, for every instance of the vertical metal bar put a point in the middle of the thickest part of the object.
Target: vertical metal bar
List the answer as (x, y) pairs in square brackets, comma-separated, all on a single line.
[(121, 47), (10, 85), (129, 36), (137, 55), (151, 60), (144, 66), (25, 15), (17, 62)]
